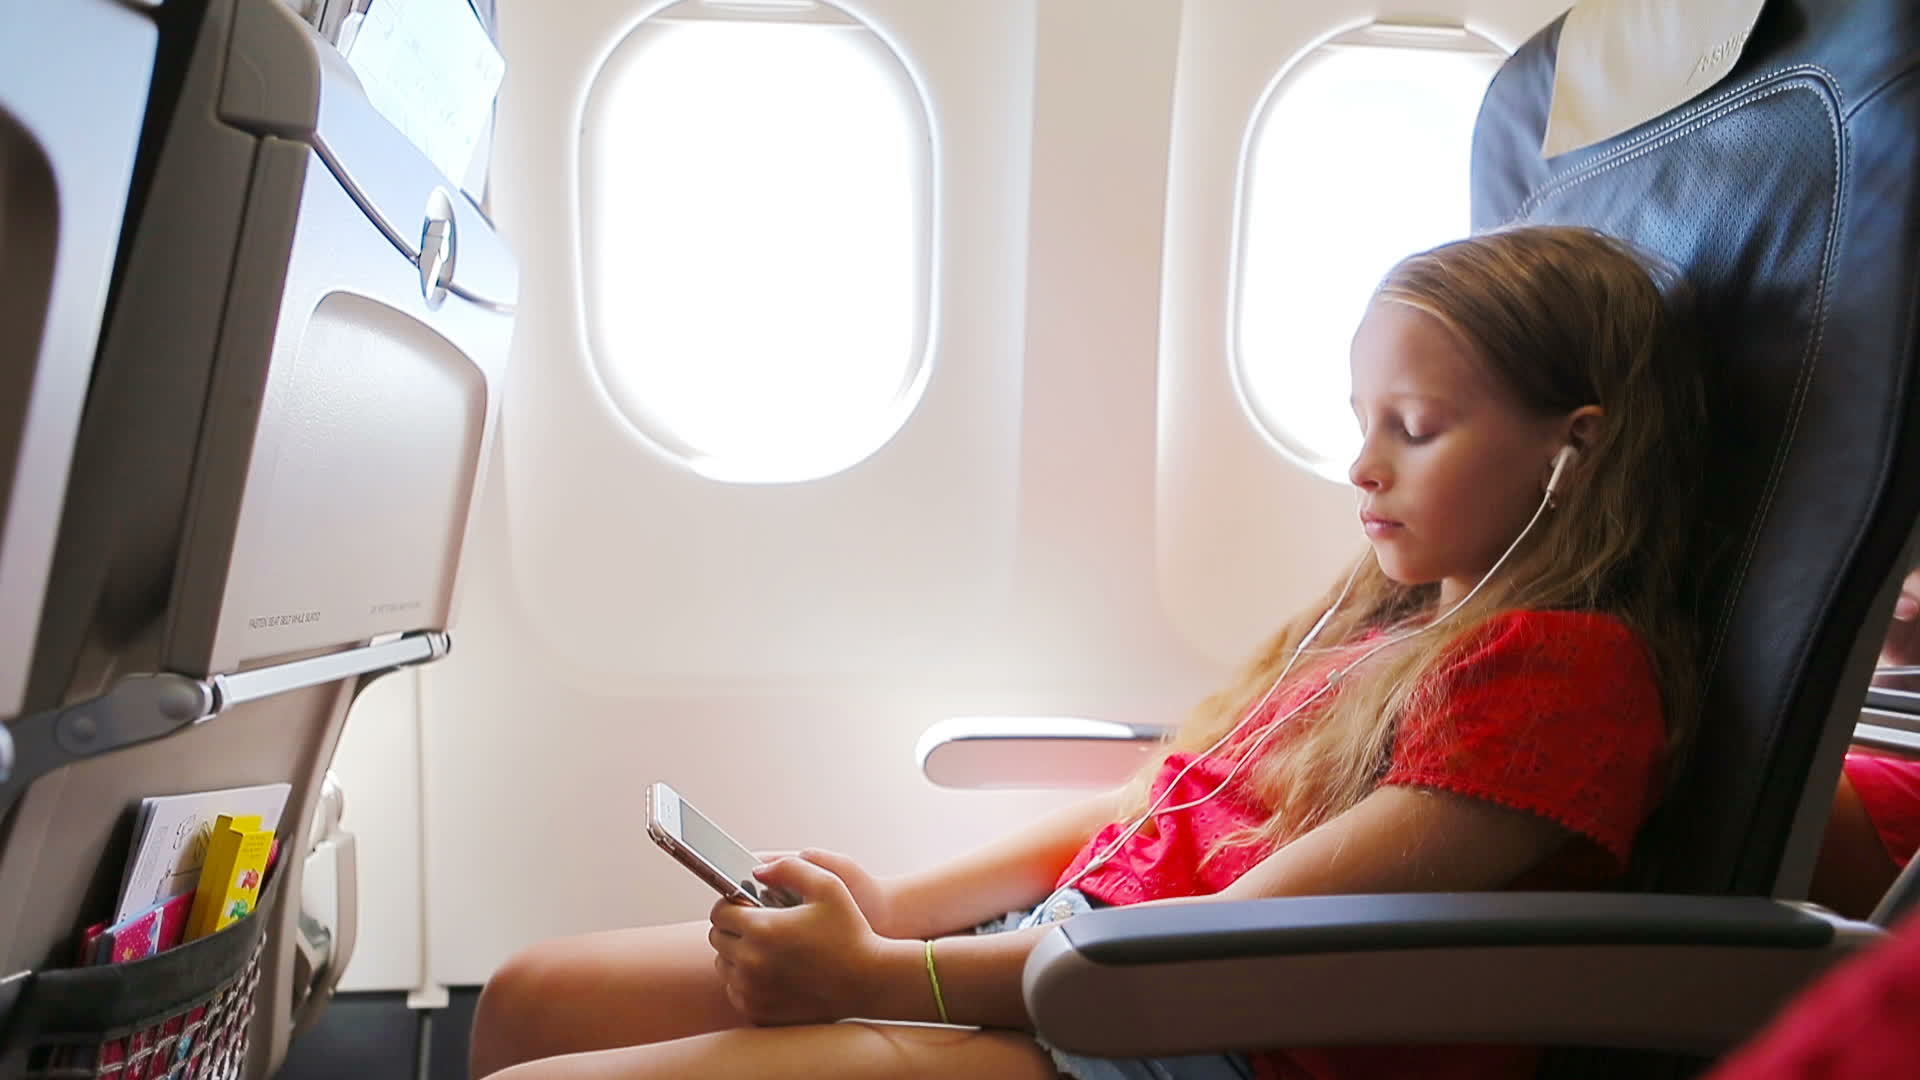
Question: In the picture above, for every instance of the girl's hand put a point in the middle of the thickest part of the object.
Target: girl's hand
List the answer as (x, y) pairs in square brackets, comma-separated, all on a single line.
[(876, 897), (815, 963), (1903, 634)]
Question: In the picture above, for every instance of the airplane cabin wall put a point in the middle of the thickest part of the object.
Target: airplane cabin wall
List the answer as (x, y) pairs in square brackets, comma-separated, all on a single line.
[(1077, 518)]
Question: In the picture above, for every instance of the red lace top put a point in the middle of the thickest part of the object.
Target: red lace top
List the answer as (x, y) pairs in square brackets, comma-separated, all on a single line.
[(1555, 713)]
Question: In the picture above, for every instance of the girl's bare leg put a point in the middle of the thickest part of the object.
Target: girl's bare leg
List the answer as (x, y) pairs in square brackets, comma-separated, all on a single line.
[(597, 991), (848, 1051)]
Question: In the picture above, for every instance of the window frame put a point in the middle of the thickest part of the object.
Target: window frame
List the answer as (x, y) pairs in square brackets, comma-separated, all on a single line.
[(1385, 34), (657, 431)]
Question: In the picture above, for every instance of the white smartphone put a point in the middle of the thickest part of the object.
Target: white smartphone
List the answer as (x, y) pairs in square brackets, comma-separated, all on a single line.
[(700, 846)]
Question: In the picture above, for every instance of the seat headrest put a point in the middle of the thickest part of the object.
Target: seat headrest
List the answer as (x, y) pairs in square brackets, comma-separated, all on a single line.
[(1624, 62)]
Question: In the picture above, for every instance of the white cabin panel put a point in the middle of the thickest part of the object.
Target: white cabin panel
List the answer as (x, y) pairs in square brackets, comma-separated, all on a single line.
[(648, 575), (378, 763)]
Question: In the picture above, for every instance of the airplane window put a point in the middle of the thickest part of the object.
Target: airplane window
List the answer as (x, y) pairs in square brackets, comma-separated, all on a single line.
[(1357, 156), (756, 223)]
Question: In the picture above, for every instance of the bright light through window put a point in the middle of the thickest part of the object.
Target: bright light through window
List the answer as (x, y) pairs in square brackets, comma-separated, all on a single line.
[(757, 233), (1358, 158)]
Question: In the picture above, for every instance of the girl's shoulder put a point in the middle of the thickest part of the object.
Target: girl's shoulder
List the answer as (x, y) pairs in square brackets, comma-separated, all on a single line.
[(1553, 712), (1590, 645), (1558, 629)]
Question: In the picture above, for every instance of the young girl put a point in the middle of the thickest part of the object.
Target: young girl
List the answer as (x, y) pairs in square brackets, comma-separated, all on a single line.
[(1488, 699)]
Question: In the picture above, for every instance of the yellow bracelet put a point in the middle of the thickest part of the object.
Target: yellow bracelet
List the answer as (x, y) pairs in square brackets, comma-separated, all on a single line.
[(934, 978)]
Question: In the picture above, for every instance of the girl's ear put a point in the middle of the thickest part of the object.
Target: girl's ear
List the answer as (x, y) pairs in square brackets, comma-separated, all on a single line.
[(1583, 424)]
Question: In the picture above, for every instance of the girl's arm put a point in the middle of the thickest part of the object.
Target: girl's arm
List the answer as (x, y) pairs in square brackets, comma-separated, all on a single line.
[(1012, 872), (1406, 839), (1397, 839)]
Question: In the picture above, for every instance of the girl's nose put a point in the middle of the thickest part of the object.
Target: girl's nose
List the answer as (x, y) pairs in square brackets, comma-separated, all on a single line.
[(1367, 472)]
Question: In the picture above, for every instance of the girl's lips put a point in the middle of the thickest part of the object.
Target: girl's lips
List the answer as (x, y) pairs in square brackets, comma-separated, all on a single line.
[(1377, 527)]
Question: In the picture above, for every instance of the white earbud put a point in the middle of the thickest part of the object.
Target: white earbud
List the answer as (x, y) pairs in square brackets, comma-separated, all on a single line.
[(1560, 462)]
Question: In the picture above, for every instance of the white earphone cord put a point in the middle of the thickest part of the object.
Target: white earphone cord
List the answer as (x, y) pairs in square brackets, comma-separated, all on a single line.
[(1333, 677)]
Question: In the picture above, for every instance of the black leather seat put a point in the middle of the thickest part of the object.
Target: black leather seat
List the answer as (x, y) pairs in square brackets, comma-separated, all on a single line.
[(1787, 194)]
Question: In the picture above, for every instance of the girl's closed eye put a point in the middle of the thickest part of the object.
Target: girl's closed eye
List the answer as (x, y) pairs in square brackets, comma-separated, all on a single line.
[(1417, 432)]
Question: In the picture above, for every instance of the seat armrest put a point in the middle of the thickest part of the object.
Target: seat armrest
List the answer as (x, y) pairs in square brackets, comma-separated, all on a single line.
[(1685, 973), (1034, 752)]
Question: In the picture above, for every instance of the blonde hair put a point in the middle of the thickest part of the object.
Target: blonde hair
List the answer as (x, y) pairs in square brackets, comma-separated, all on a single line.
[(1562, 317)]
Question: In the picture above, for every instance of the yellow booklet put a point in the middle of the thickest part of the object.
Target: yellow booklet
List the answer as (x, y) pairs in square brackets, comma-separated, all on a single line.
[(230, 878)]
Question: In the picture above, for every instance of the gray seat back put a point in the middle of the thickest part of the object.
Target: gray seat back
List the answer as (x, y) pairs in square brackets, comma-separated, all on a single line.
[(273, 477), (67, 140)]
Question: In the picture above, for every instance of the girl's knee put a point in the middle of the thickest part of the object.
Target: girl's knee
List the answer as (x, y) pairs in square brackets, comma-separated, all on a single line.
[(511, 1020)]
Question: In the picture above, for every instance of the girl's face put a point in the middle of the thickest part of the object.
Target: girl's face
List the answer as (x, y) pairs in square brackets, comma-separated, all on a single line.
[(1451, 466)]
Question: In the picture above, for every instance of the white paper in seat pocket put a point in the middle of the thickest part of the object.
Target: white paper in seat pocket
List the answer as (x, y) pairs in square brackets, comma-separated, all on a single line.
[(1624, 62)]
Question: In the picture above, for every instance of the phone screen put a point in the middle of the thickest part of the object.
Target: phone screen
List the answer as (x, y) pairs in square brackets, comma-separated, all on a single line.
[(719, 849)]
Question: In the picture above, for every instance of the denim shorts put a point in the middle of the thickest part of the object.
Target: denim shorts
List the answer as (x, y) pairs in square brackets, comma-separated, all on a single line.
[(1081, 1067)]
